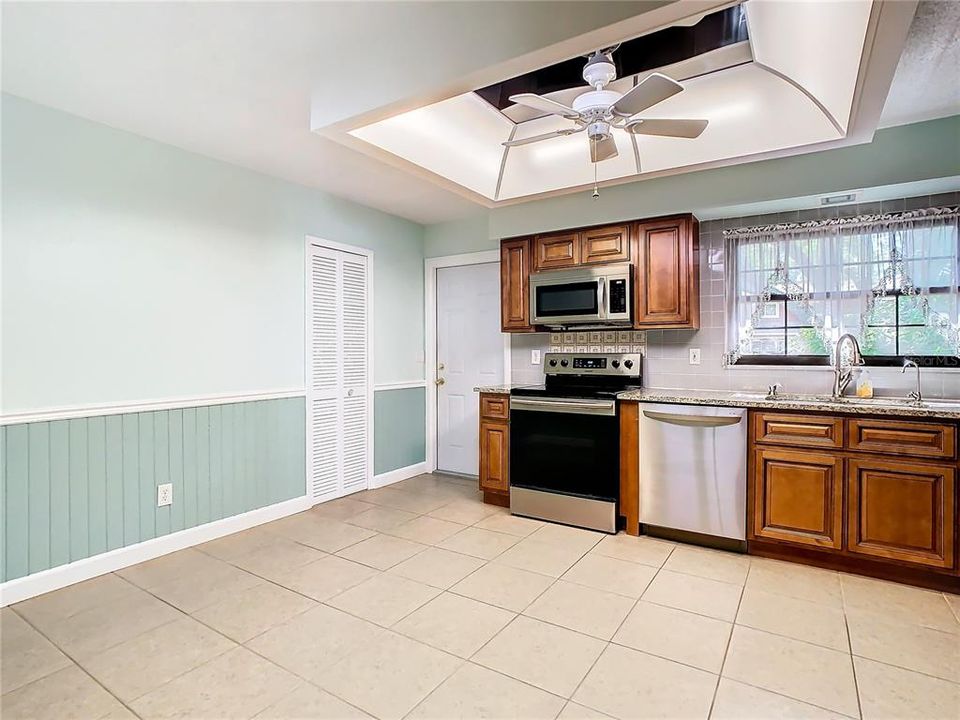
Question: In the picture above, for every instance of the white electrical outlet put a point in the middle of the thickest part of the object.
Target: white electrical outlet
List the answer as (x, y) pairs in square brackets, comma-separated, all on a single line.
[(534, 357), (694, 356), (164, 495)]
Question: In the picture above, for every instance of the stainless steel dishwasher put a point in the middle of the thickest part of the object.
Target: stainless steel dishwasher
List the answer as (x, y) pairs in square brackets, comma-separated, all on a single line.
[(693, 472)]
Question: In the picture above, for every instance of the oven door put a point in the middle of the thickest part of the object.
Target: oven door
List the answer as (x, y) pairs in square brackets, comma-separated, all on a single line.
[(565, 446), (562, 302)]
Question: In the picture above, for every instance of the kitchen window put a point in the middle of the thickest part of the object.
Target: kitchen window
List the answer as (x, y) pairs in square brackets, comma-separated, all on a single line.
[(893, 281)]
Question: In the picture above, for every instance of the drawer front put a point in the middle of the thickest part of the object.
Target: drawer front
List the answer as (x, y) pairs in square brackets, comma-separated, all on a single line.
[(797, 430), (903, 437), (496, 407)]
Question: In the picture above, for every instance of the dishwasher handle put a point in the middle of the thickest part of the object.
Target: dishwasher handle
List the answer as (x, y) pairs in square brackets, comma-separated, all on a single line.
[(700, 421)]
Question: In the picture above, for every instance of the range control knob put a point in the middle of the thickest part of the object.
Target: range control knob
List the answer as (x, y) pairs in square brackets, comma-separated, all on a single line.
[(553, 363), (564, 363), (628, 364), (615, 363)]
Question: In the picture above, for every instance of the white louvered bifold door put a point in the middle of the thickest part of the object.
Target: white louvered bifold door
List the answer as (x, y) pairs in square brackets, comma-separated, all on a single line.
[(337, 374), (355, 372)]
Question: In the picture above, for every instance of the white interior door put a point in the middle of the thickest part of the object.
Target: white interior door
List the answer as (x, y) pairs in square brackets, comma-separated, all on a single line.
[(469, 353), (338, 373)]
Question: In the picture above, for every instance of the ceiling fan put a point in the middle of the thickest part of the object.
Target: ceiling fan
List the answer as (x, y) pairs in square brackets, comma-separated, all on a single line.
[(599, 111)]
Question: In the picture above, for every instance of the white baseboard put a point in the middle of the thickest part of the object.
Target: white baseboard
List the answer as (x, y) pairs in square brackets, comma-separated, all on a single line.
[(14, 591), (394, 476)]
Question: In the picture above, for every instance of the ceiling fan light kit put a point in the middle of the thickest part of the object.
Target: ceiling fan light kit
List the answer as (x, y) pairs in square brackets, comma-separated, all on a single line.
[(598, 111)]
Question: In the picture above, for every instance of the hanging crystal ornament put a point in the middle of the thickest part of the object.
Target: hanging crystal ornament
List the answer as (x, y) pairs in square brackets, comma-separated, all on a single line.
[(896, 268), (780, 283)]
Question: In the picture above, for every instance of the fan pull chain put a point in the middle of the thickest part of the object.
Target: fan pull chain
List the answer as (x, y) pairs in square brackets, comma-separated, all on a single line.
[(596, 190)]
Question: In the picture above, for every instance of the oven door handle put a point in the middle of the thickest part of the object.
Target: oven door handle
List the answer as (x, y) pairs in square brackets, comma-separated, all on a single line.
[(572, 407), (704, 421)]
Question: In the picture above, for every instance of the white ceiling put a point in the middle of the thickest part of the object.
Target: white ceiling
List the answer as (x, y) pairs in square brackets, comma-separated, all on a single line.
[(238, 81), (927, 83), (234, 80)]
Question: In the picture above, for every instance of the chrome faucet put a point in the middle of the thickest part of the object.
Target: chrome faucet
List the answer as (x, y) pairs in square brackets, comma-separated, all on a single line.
[(841, 375), (913, 394)]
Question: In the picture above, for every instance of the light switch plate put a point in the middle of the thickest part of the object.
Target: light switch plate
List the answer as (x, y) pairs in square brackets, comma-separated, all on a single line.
[(694, 356), (164, 495), (534, 357)]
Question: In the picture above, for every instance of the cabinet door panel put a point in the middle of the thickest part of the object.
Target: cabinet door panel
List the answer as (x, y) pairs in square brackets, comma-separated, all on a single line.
[(901, 511), (494, 456), (798, 497), (556, 251), (667, 286), (605, 244), (514, 285)]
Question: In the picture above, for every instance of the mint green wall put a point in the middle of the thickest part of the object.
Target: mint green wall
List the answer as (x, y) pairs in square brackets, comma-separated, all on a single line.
[(77, 488), (399, 420), (133, 270), (904, 154)]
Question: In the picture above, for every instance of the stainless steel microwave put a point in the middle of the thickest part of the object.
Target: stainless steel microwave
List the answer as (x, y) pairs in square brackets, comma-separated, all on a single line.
[(597, 295)]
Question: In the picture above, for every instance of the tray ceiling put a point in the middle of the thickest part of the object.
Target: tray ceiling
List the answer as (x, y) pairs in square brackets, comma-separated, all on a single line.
[(791, 84)]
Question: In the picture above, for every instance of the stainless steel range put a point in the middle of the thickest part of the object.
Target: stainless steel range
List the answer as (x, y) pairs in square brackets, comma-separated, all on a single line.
[(565, 439)]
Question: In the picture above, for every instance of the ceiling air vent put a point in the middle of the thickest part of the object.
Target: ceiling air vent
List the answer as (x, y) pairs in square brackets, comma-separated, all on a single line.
[(841, 199)]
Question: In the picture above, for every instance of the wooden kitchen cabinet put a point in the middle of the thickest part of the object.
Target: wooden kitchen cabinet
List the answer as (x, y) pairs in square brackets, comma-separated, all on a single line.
[(514, 285), (667, 287), (494, 468), (666, 268), (798, 497), (605, 244), (872, 495), (551, 252), (902, 510)]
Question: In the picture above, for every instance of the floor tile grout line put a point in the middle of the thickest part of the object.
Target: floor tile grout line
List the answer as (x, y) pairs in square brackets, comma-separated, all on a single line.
[(251, 650), (78, 665), (726, 650)]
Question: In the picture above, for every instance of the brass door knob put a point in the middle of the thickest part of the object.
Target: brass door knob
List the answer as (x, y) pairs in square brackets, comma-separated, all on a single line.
[(439, 381)]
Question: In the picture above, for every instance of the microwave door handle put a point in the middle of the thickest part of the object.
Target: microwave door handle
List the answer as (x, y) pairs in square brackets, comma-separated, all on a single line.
[(601, 309)]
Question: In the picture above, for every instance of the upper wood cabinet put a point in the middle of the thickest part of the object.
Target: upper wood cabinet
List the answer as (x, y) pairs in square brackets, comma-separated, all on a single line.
[(667, 287), (514, 285), (666, 268), (556, 251), (605, 244)]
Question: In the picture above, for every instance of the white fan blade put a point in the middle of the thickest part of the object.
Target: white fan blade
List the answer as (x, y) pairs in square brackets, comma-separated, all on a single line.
[(544, 105), (604, 149), (544, 136), (667, 128), (654, 89)]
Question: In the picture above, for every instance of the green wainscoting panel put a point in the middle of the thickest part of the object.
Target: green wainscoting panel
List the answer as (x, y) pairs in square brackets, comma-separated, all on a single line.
[(399, 428), (77, 488)]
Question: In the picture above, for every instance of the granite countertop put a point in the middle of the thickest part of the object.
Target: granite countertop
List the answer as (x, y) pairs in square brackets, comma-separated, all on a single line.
[(897, 407), (946, 409)]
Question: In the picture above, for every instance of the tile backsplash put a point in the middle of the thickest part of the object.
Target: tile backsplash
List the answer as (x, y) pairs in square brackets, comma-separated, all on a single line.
[(666, 352)]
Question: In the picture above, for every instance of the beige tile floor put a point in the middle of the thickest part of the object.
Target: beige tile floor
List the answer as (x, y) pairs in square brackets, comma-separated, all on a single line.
[(419, 601)]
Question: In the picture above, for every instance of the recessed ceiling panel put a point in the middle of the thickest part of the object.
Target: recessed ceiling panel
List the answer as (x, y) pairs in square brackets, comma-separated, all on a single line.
[(817, 45), (750, 111), (458, 139)]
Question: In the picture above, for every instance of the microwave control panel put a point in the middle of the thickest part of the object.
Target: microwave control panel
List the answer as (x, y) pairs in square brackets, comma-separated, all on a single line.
[(618, 296)]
